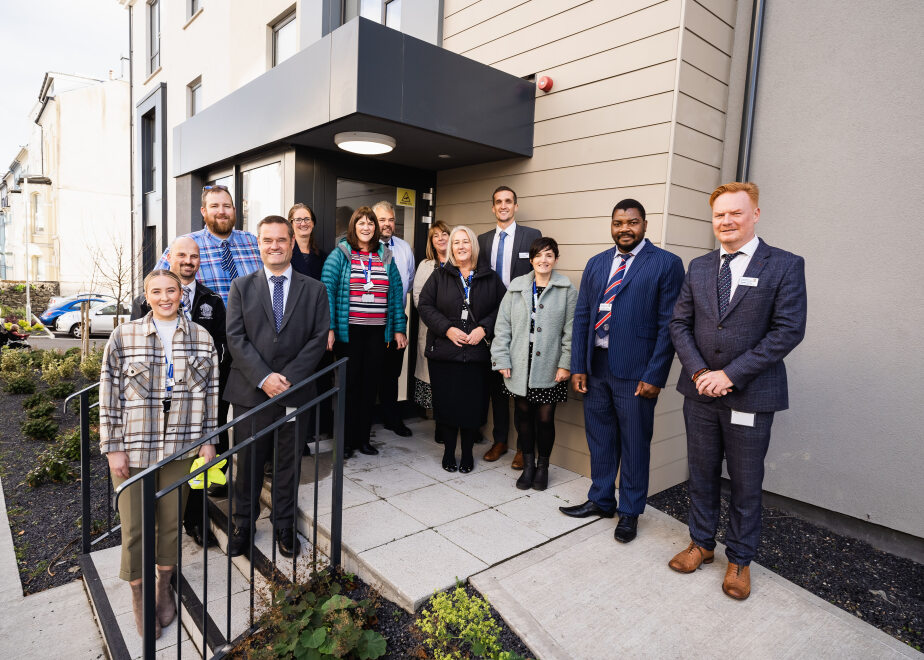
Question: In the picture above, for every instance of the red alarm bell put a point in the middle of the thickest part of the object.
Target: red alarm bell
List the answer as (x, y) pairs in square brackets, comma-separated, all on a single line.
[(545, 83)]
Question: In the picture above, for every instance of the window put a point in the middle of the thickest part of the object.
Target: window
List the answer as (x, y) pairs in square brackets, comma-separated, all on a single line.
[(285, 44), (192, 6), (194, 92), (38, 215), (393, 14), (387, 12), (153, 35), (263, 191)]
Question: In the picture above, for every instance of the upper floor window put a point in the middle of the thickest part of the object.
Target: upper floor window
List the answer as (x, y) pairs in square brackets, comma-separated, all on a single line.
[(387, 12), (153, 35), (194, 91), (285, 43), (38, 216), (192, 6)]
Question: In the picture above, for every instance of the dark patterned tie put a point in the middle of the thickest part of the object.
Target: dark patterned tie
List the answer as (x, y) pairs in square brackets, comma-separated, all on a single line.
[(227, 261), (278, 290), (187, 304), (601, 327), (725, 282)]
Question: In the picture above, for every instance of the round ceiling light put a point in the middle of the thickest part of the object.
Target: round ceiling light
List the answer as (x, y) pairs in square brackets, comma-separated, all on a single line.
[(367, 144)]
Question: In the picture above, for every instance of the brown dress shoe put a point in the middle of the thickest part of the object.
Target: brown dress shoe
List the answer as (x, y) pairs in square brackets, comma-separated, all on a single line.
[(737, 582), (690, 559), (496, 451), (517, 463)]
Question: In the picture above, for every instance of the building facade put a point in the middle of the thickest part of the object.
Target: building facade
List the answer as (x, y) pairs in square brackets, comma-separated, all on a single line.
[(647, 101)]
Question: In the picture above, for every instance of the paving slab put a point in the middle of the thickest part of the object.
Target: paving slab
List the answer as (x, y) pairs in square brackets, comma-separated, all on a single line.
[(373, 524), (491, 536), (393, 479), (437, 504), (637, 606)]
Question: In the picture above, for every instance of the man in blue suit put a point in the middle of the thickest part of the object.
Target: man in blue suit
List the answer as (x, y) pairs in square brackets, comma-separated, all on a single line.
[(621, 353), (741, 310)]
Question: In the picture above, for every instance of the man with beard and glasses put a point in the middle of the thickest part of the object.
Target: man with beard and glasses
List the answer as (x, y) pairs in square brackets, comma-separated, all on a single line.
[(621, 353)]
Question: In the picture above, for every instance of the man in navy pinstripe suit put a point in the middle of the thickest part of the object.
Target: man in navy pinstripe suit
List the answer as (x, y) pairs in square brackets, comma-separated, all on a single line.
[(741, 310), (621, 353)]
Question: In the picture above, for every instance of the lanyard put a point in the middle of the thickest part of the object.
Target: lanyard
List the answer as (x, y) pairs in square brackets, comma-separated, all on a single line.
[(367, 271), (467, 286)]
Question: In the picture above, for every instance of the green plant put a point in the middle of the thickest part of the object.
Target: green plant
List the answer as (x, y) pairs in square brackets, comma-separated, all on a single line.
[(16, 361), (51, 466), (456, 625), (61, 390), (20, 383), (34, 400), (36, 355), (39, 429), (69, 445), (92, 364), (41, 410)]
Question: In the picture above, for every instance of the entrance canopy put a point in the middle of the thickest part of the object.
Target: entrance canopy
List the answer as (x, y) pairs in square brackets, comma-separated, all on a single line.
[(369, 78)]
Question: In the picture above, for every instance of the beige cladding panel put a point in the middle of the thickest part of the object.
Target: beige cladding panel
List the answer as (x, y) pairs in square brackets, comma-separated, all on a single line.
[(697, 146), (631, 114), (706, 57), (694, 175), (691, 232), (726, 10), (689, 203), (709, 27), (465, 15), (700, 117), (703, 87)]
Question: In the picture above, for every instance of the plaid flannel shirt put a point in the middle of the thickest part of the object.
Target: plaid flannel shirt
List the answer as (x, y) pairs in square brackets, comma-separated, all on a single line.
[(133, 387), (244, 250)]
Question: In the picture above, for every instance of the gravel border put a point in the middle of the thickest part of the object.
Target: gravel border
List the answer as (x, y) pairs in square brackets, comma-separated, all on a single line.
[(883, 589)]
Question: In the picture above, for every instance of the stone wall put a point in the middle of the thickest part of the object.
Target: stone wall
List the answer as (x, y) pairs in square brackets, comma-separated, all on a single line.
[(13, 294)]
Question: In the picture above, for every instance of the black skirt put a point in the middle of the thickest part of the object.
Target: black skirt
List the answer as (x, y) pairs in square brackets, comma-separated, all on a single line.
[(460, 393)]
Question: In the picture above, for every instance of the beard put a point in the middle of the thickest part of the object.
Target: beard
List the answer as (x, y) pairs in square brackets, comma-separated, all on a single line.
[(219, 223)]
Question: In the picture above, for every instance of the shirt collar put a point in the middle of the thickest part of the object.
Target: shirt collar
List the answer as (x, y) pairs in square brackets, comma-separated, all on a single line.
[(212, 238), (635, 250), (509, 230), (748, 248), (287, 274)]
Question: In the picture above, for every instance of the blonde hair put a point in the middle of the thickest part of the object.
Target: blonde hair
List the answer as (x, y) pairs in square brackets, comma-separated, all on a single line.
[(736, 186), (471, 237), (161, 272), (437, 226)]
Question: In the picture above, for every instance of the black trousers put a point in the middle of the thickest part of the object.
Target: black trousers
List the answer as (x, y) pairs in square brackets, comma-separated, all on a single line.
[(500, 409), (392, 364), (366, 353), (288, 465)]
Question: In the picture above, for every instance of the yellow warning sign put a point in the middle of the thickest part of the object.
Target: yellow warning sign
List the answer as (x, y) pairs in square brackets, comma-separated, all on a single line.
[(405, 197)]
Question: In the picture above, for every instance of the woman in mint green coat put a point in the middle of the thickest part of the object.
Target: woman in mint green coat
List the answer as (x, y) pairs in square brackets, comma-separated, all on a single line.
[(532, 350)]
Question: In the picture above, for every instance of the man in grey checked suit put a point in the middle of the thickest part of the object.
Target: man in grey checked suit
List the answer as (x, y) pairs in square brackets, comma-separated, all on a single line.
[(741, 310), (278, 321)]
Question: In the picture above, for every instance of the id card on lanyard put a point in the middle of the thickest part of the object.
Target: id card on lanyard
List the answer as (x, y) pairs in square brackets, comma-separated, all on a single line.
[(466, 290), (168, 391)]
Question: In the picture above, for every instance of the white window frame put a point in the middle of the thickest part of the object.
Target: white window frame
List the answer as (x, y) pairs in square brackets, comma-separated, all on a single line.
[(191, 108), (284, 21), (153, 11)]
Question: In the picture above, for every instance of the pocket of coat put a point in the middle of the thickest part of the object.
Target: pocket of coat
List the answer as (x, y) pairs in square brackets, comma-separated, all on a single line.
[(137, 380), (198, 370)]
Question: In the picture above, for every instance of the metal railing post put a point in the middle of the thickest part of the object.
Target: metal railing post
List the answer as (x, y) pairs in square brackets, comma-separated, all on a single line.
[(148, 558), (86, 521), (336, 519)]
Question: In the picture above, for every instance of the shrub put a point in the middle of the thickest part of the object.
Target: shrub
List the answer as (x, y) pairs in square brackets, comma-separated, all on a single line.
[(61, 390), (69, 445), (72, 351), (20, 383), (41, 410), (34, 400), (456, 625), (92, 364), (15, 361), (51, 466), (39, 429)]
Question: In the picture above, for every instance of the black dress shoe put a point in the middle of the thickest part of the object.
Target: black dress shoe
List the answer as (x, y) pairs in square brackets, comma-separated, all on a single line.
[(627, 529), (307, 450), (240, 542), (399, 429), (368, 450), (288, 542), (196, 533), (585, 510), (348, 453)]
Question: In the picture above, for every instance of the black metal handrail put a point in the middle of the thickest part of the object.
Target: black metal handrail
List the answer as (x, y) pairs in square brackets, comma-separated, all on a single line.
[(150, 494)]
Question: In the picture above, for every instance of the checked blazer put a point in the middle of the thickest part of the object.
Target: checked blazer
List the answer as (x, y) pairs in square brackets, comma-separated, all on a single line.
[(761, 326)]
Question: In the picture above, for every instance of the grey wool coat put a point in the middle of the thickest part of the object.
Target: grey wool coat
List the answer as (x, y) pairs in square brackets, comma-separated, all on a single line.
[(552, 343)]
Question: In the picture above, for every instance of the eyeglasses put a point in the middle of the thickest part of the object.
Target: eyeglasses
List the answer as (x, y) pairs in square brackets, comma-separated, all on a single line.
[(301, 221), (216, 187)]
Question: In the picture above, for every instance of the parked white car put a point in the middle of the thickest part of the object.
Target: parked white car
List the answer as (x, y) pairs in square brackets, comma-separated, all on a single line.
[(102, 319)]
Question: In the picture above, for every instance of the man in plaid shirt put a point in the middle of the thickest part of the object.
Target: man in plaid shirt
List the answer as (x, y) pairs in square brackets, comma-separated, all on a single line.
[(224, 252)]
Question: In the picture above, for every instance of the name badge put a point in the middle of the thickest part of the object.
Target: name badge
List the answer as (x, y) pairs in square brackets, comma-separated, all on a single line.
[(368, 298), (524, 255), (747, 281), (464, 314), (367, 286), (742, 418), (606, 307)]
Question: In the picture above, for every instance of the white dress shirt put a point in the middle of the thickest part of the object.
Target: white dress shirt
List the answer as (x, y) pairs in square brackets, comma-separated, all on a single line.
[(508, 250), (285, 285), (739, 264), (404, 259), (605, 342)]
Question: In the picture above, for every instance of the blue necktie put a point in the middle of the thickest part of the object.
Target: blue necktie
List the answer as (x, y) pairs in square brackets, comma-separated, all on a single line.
[(601, 327), (725, 282), (499, 260), (227, 261), (278, 290)]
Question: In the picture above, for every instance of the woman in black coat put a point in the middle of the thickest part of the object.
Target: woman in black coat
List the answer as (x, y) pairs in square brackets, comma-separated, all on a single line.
[(307, 257), (459, 305)]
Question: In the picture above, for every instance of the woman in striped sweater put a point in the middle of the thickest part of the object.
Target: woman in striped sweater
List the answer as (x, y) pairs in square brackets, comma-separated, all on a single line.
[(366, 313)]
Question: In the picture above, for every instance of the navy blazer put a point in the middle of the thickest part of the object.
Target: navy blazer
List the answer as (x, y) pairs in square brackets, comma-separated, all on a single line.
[(761, 326), (522, 240), (640, 343)]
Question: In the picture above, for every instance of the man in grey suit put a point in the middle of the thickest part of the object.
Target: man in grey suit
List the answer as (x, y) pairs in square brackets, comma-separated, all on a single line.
[(278, 321), (505, 249), (741, 310)]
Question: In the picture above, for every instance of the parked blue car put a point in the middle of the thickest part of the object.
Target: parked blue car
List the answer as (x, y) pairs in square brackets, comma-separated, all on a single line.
[(51, 314)]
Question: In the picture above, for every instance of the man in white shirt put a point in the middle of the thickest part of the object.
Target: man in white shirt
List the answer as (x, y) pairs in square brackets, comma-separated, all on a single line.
[(505, 249), (394, 356)]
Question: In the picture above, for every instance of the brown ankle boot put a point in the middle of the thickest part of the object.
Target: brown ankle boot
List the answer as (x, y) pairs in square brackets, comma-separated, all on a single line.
[(138, 608), (166, 607)]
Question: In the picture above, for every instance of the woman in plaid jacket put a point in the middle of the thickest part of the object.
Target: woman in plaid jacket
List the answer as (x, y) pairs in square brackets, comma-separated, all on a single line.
[(158, 394)]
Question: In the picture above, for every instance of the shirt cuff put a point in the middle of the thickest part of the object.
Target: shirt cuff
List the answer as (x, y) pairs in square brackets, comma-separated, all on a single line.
[(260, 384)]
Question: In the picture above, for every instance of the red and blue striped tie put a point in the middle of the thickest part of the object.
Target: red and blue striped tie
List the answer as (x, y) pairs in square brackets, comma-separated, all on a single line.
[(601, 327)]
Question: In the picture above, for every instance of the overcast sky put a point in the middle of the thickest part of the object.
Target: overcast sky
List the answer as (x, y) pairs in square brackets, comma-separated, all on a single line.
[(85, 37)]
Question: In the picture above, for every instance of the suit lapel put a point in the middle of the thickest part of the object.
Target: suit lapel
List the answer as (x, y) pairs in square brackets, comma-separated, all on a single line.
[(707, 279), (296, 287), (753, 270), (603, 276), (261, 292)]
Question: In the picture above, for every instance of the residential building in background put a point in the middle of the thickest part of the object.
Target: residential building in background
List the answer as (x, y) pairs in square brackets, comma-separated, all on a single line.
[(645, 100), (66, 198)]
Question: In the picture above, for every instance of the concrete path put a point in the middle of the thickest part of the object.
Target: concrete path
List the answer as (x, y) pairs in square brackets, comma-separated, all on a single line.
[(586, 597), (41, 625)]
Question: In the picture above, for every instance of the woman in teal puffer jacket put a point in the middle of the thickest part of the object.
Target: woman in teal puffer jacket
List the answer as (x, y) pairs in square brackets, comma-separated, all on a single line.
[(366, 313), (532, 350)]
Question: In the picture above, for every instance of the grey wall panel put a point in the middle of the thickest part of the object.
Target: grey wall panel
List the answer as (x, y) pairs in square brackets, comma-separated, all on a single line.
[(382, 71)]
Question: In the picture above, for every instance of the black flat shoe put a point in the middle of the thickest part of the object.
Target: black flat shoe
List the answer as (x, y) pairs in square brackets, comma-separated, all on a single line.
[(585, 510), (368, 450), (466, 466), (449, 464), (399, 429), (627, 529)]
